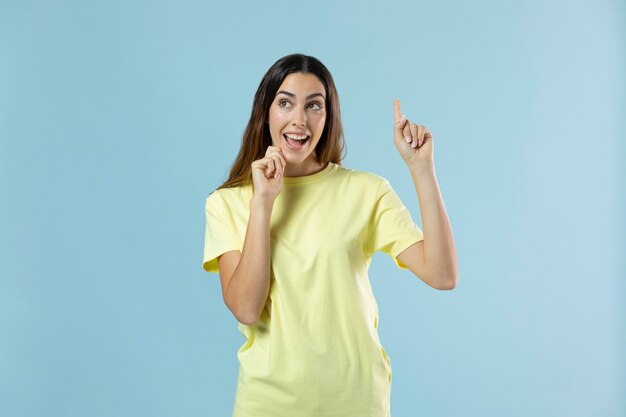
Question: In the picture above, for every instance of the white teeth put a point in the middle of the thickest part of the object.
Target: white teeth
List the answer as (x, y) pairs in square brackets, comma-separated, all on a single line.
[(296, 137)]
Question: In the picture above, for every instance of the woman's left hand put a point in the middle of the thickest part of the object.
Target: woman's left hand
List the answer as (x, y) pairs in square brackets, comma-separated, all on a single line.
[(414, 142)]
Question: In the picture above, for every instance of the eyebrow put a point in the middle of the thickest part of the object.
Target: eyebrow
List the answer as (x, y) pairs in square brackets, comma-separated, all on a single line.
[(293, 95)]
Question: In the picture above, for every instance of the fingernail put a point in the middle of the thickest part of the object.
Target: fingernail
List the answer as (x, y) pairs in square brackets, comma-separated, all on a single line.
[(408, 138)]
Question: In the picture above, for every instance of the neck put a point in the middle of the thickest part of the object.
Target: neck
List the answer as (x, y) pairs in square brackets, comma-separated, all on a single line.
[(304, 168)]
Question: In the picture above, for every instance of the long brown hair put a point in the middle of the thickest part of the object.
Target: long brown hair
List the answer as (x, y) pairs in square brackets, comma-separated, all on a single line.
[(257, 138)]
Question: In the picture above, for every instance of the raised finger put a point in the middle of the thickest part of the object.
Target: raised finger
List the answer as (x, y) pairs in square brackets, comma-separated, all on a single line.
[(397, 114)]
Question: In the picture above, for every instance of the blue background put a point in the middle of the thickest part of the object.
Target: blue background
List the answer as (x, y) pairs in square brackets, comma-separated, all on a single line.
[(118, 119)]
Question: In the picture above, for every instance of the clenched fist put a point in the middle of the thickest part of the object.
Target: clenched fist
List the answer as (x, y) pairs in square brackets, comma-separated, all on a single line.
[(267, 174)]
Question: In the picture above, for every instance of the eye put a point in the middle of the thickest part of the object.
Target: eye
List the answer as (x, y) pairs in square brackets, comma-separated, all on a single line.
[(283, 103), (316, 105)]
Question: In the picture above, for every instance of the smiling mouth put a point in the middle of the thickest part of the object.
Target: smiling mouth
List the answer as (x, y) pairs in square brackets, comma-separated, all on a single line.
[(295, 143)]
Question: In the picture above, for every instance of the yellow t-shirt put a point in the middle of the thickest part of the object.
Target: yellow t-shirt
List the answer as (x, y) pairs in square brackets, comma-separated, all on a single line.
[(315, 350)]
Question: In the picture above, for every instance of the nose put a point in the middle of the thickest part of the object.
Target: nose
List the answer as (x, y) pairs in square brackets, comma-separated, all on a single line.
[(299, 117)]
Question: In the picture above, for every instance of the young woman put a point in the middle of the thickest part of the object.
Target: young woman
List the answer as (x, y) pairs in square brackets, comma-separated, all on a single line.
[(292, 232)]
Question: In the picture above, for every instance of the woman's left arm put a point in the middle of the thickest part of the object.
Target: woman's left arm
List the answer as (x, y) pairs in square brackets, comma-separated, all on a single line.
[(434, 259)]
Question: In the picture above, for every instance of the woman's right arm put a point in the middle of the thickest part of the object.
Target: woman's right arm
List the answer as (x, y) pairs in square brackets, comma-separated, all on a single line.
[(246, 290), (249, 285)]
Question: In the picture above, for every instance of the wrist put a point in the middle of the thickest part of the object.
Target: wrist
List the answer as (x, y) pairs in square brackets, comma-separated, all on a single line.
[(422, 168), (262, 202)]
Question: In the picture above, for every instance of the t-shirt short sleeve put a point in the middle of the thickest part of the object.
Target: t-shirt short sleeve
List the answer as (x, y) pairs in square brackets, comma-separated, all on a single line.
[(391, 228), (219, 236)]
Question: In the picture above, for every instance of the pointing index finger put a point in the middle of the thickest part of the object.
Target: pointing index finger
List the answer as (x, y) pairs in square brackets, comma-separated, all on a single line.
[(396, 110)]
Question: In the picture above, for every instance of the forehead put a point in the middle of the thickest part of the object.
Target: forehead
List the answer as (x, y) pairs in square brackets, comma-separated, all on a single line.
[(302, 84)]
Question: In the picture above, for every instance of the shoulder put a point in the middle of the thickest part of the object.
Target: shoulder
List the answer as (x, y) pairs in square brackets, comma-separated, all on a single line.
[(229, 197), (364, 177)]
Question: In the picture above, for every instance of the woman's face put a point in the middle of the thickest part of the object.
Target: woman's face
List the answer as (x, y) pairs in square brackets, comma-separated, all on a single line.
[(298, 110)]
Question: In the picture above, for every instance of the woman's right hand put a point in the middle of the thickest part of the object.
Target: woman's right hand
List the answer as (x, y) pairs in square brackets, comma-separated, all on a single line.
[(267, 174)]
